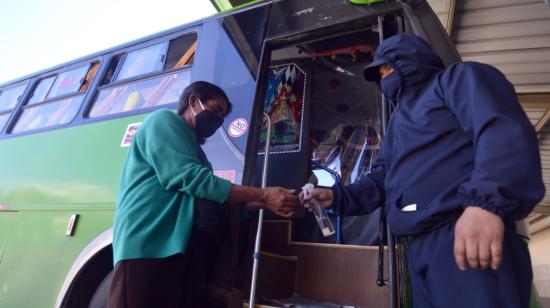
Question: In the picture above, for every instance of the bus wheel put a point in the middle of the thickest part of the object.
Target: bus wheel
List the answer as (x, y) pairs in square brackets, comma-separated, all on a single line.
[(101, 294)]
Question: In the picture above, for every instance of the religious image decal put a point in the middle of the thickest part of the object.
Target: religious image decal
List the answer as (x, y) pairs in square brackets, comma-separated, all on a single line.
[(284, 103)]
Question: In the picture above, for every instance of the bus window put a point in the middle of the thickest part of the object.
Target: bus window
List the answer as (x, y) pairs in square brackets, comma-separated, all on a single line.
[(112, 69), (154, 91), (89, 77), (142, 61), (8, 100), (3, 119), (41, 111), (68, 82), (181, 51), (10, 97), (46, 115), (41, 90)]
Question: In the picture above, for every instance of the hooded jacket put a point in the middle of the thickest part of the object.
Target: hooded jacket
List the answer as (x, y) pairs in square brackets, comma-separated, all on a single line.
[(457, 138)]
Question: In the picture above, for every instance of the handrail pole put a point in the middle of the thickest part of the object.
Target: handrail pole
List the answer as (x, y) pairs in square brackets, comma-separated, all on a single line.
[(256, 255)]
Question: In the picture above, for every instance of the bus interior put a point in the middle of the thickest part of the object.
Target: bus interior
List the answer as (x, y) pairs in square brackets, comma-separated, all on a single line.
[(322, 112)]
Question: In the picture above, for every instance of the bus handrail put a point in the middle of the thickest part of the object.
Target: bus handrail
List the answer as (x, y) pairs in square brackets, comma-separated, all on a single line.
[(256, 254)]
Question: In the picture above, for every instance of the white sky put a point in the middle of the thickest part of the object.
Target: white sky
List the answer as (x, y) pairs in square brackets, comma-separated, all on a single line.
[(37, 34)]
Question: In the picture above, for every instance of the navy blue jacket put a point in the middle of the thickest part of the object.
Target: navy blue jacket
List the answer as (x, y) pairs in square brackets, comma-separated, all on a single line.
[(457, 138)]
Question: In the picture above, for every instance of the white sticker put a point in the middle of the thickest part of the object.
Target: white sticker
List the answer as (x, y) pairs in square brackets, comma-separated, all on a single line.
[(129, 134), (237, 128), (409, 208)]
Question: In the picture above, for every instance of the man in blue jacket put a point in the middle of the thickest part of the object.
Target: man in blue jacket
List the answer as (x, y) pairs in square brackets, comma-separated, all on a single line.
[(458, 166)]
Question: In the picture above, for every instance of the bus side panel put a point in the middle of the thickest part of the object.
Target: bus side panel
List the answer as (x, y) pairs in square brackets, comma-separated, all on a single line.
[(52, 176), (39, 254)]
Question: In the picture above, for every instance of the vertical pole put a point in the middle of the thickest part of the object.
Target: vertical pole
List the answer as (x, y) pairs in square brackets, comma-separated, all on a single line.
[(256, 255), (392, 279)]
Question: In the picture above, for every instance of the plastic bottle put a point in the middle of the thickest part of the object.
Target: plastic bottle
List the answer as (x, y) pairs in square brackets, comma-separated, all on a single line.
[(324, 222)]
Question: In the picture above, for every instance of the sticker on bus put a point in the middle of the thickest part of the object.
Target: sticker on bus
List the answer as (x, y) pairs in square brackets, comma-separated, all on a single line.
[(226, 174), (237, 128), (129, 134)]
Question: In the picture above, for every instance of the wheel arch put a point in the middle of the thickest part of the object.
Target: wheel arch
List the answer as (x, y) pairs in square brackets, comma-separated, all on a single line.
[(93, 263)]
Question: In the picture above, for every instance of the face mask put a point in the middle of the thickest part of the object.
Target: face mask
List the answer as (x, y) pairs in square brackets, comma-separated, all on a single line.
[(390, 86), (206, 122)]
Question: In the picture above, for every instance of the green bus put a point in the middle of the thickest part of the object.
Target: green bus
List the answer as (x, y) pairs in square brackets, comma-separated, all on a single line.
[(65, 131)]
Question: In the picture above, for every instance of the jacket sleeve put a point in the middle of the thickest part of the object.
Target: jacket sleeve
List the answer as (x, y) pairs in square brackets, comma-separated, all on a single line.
[(365, 195), (506, 178), (170, 149)]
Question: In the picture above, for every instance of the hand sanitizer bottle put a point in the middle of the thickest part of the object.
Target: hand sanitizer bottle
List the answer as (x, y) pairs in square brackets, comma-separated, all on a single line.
[(324, 222)]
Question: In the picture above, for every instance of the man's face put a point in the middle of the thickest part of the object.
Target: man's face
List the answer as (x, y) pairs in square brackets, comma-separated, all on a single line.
[(385, 70)]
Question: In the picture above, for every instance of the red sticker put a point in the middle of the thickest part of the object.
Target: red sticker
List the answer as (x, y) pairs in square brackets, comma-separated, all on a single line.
[(129, 134), (4, 206), (227, 175), (237, 128)]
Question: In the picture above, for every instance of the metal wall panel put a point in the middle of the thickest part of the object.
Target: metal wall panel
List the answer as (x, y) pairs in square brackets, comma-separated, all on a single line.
[(534, 116), (512, 35), (441, 10)]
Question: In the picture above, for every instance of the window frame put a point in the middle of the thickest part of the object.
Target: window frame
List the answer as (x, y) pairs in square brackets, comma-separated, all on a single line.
[(14, 110), (81, 81), (127, 82), (166, 40), (125, 53), (19, 111)]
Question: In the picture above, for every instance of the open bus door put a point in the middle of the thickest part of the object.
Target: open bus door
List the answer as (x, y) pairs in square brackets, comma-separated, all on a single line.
[(311, 86)]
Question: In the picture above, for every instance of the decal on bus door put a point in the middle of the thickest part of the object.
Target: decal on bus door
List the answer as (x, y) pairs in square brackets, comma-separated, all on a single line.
[(129, 134), (227, 175), (237, 128)]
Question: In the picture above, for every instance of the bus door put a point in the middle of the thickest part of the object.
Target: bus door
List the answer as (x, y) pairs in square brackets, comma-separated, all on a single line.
[(322, 111)]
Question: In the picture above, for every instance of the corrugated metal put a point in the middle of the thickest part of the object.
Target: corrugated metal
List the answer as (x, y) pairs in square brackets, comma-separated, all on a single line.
[(534, 116), (512, 35), (441, 9)]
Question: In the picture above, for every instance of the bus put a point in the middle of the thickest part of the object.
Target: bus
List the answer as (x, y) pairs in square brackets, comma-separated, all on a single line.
[(65, 132)]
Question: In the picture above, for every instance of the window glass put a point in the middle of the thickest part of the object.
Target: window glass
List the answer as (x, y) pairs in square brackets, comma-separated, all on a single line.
[(10, 97), (181, 51), (111, 72), (142, 61), (68, 82), (46, 115), (157, 91), (3, 119), (41, 90), (89, 77)]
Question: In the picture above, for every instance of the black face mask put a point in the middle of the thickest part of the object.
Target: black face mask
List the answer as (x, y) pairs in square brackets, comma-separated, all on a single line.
[(206, 123), (390, 86)]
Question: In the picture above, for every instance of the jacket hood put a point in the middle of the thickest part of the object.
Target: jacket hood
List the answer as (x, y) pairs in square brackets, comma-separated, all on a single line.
[(411, 57)]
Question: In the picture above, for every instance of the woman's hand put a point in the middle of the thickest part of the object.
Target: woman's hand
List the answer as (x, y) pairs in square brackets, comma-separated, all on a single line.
[(281, 201)]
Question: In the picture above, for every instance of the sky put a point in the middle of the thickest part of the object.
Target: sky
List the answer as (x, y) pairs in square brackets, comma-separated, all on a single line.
[(38, 34)]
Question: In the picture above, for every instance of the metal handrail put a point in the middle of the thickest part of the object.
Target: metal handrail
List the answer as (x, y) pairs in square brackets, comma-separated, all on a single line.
[(256, 254)]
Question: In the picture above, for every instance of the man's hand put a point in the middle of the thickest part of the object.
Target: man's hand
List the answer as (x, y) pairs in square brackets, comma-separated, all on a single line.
[(324, 196), (478, 239), (280, 201)]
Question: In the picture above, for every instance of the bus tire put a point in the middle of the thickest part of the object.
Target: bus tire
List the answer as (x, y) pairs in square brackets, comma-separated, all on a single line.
[(101, 294)]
